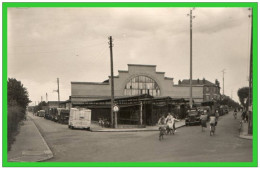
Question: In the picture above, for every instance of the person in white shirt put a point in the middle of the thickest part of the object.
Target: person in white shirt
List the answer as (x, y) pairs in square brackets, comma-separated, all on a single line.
[(212, 122)]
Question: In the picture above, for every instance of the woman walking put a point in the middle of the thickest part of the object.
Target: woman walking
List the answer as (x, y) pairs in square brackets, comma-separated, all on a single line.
[(203, 121)]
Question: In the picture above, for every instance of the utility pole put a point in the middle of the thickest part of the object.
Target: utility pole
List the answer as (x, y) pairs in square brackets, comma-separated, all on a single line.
[(46, 97), (250, 111), (112, 82), (58, 91), (41, 98), (223, 71), (191, 17)]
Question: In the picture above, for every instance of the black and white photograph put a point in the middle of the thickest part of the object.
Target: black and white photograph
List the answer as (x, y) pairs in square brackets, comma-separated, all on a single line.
[(113, 84)]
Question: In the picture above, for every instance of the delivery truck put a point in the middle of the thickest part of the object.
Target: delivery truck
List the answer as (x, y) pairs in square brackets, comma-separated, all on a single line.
[(79, 118), (63, 115)]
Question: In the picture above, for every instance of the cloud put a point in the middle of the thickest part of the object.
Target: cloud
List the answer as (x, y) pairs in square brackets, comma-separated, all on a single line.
[(71, 43)]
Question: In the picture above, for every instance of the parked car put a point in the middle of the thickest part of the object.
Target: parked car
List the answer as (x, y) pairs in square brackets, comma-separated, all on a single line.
[(79, 118), (221, 110), (63, 115), (41, 113), (53, 114), (193, 117)]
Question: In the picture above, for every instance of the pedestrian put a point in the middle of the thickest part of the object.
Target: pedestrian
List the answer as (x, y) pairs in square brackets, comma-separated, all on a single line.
[(243, 115), (217, 117), (203, 120), (246, 116), (174, 119)]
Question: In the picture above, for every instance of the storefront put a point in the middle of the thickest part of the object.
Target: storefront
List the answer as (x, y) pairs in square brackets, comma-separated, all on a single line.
[(139, 110)]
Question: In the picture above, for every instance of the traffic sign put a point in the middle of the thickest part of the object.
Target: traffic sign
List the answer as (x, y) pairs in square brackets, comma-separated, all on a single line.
[(116, 108)]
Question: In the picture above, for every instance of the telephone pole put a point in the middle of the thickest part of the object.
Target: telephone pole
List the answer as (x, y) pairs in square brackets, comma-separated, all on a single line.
[(223, 71), (112, 82), (46, 97), (58, 91), (250, 100), (191, 17)]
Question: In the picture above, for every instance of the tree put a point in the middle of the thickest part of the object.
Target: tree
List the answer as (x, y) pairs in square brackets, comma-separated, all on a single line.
[(243, 94), (40, 106), (18, 100), (17, 93)]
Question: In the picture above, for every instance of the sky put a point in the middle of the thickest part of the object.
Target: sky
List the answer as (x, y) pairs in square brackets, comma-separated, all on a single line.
[(72, 44)]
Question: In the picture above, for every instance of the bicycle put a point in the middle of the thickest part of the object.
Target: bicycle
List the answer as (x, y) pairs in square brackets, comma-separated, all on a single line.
[(162, 131), (212, 129)]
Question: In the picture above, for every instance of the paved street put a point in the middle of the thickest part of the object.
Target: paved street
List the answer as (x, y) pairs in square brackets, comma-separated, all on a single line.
[(189, 144)]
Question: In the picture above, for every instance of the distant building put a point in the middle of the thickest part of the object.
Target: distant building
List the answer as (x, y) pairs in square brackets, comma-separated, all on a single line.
[(209, 90), (54, 104)]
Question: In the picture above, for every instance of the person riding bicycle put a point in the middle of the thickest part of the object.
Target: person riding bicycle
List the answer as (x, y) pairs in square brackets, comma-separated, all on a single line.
[(169, 122), (162, 122), (162, 128), (212, 122)]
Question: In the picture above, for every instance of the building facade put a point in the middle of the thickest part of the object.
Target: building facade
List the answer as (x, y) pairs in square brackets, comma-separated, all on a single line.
[(138, 80), (211, 91)]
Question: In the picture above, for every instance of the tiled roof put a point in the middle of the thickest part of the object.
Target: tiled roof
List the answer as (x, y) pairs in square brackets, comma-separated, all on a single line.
[(196, 82)]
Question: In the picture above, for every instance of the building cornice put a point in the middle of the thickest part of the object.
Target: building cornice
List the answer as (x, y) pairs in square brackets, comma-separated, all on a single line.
[(141, 65), (90, 83), (123, 71)]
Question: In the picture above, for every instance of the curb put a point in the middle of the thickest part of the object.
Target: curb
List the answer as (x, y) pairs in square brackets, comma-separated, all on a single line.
[(246, 137), (133, 130), (48, 152)]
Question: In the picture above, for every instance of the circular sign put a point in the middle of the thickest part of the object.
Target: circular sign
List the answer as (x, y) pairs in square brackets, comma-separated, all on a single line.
[(115, 108)]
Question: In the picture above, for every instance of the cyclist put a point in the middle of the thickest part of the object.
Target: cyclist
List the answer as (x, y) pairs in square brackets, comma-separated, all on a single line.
[(212, 122), (162, 128)]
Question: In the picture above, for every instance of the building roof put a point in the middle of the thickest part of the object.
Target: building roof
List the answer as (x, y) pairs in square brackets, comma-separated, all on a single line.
[(91, 83), (142, 65), (196, 82)]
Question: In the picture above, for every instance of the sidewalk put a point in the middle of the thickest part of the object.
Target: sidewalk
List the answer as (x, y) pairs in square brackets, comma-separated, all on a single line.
[(29, 146), (97, 128), (244, 132)]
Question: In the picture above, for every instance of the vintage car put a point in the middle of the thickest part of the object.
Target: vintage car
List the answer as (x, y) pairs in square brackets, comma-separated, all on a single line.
[(193, 117), (41, 113)]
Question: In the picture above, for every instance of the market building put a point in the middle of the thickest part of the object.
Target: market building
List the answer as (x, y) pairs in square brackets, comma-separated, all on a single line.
[(143, 79), (142, 93)]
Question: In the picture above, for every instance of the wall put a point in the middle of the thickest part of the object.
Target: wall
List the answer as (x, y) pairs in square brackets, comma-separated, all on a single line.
[(85, 91)]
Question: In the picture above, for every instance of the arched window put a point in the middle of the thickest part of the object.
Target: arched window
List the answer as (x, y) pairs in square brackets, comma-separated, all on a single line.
[(142, 85)]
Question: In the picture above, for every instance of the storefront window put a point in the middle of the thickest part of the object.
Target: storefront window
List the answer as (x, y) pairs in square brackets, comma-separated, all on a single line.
[(142, 85)]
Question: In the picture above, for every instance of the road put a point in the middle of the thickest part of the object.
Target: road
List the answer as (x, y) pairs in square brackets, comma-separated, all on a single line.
[(189, 144)]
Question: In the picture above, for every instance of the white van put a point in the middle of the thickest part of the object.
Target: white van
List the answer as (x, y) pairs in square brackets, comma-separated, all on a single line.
[(80, 118)]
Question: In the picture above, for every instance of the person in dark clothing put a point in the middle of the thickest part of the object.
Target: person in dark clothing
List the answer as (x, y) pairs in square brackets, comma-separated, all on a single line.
[(243, 115)]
